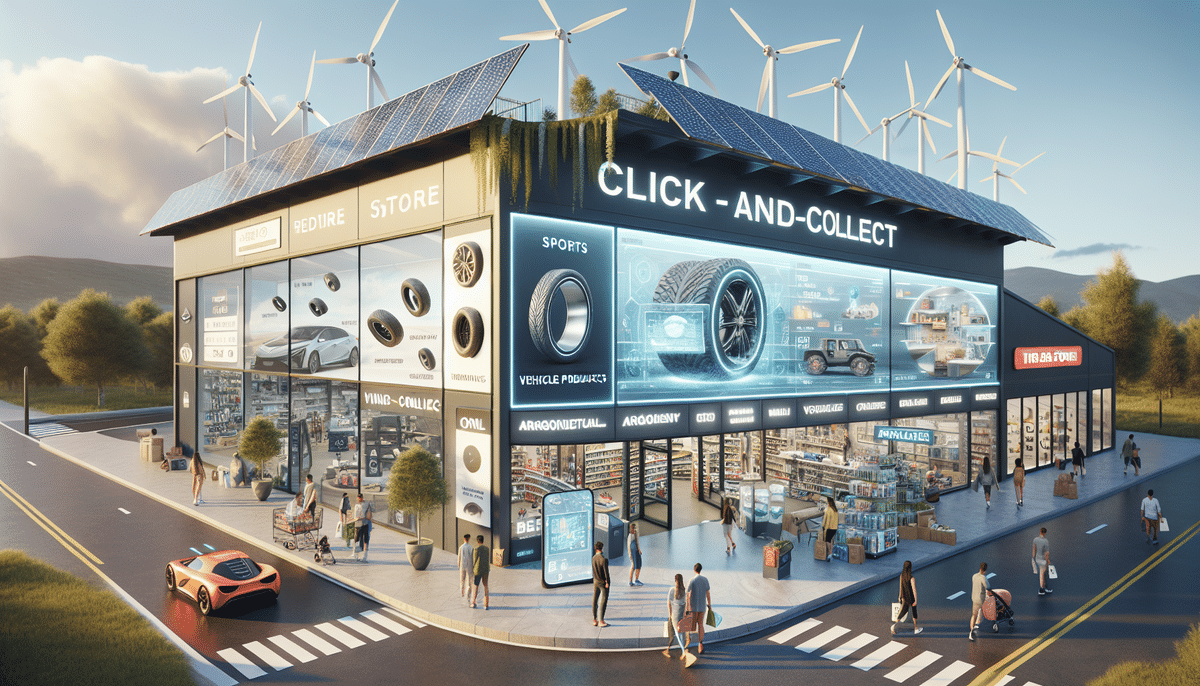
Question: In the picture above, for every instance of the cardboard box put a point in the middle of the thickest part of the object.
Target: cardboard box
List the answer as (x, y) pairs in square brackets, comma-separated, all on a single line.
[(820, 550), (498, 557), (858, 554), (1072, 491), (925, 518), (944, 536), (923, 533), (854, 540), (907, 533)]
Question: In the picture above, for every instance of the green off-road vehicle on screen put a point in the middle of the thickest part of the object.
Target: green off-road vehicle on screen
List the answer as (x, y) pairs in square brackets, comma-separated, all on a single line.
[(839, 352)]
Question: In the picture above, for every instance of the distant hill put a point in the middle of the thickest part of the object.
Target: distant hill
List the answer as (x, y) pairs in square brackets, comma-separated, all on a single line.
[(26, 281), (1177, 298)]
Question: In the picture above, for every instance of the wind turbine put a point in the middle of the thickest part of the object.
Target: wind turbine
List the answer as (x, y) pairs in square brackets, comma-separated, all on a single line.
[(303, 106), (839, 89), (986, 155), (768, 77), (678, 53), (960, 65), (245, 82), (996, 174), (884, 124), (368, 58), (923, 128), (227, 133), (564, 56)]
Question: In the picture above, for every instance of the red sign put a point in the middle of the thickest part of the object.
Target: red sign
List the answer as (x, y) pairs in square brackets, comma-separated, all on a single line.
[(1050, 356)]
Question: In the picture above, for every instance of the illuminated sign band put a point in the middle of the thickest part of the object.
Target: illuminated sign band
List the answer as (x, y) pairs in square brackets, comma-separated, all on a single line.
[(897, 433), (1048, 356)]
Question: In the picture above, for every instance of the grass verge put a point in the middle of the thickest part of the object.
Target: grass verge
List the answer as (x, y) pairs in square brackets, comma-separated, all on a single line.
[(77, 399), (56, 628), (1183, 670), (1137, 411)]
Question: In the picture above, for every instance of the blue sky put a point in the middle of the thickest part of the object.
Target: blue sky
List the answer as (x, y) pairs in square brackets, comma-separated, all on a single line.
[(100, 103)]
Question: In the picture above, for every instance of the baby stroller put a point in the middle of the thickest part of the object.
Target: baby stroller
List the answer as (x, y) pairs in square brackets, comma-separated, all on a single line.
[(998, 608), (324, 553)]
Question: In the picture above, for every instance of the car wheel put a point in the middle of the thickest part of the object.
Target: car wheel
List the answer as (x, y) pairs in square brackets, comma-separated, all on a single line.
[(571, 289), (467, 331), (428, 361), (415, 297), (170, 578), (815, 365), (314, 363), (332, 281), (861, 366), (317, 307), (353, 360), (385, 328), (279, 303), (733, 331), (204, 601), (467, 263)]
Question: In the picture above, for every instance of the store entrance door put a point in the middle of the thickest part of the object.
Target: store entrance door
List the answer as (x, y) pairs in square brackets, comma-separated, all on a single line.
[(656, 482)]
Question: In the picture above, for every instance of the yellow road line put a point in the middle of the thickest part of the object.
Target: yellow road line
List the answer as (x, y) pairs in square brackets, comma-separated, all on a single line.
[(52, 528), (1018, 657)]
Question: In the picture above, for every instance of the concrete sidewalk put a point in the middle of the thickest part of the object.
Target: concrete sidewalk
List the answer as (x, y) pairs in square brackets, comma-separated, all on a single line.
[(522, 612)]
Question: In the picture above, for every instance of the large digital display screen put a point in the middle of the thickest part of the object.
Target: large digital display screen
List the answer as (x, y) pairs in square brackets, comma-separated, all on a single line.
[(267, 316), (400, 311), (567, 538), (324, 317), (943, 333), (220, 313)]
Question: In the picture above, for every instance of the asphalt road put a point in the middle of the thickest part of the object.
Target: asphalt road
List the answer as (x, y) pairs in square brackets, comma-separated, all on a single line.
[(1132, 601)]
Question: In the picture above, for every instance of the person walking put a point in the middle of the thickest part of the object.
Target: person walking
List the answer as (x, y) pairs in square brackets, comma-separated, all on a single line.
[(1018, 479), (635, 556), (1127, 451), (699, 600), (908, 598), (481, 565), (829, 526), (1041, 560), (1077, 460), (310, 496), (197, 470), (363, 516), (600, 584), (987, 479), (676, 602), (727, 515), (347, 521), (1151, 515), (466, 566), (979, 591)]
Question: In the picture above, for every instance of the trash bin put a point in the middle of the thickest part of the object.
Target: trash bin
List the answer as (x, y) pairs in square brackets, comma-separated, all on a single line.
[(151, 445), (610, 530)]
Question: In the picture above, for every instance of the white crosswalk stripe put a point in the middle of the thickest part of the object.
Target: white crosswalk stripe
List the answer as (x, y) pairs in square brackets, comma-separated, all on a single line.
[(817, 641), (396, 627), (1007, 678), (317, 642), (949, 674), (848, 648), (267, 655), (405, 617), (792, 632), (49, 429), (364, 629), (874, 659), (241, 663), (340, 636), (908, 669), (289, 646)]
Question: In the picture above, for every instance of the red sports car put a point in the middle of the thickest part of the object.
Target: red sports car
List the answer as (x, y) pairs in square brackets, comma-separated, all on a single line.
[(216, 578)]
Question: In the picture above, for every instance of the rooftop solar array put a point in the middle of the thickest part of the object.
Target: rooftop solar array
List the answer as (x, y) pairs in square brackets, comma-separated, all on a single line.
[(706, 118), (454, 101)]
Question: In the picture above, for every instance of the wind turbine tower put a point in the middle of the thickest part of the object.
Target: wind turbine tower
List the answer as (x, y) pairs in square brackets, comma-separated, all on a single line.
[(923, 127), (996, 174), (839, 89), (768, 77), (368, 58), (245, 82), (227, 133), (303, 106)]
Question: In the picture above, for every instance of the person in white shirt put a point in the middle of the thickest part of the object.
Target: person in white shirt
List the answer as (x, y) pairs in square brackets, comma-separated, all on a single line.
[(310, 496), (979, 591), (1151, 514), (466, 561)]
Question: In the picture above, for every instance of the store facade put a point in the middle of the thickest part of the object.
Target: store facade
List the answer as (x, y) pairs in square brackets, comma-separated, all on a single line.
[(693, 320)]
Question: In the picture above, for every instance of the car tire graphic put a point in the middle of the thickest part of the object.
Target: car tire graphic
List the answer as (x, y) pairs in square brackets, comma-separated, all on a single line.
[(415, 297), (467, 263), (428, 361), (317, 306), (466, 330), (861, 366), (332, 282), (353, 359), (170, 578), (204, 601), (734, 331), (279, 303), (472, 459), (815, 365), (568, 344), (386, 329), (314, 363)]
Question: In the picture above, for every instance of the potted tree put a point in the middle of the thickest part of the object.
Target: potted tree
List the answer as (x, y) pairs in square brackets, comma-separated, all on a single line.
[(259, 443), (416, 485)]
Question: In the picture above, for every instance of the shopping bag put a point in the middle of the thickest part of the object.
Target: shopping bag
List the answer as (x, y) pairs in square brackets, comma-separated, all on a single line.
[(668, 630), (687, 624), (713, 619), (1052, 573), (896, 611), (1033, 561), (1162, 524), (337, 531)]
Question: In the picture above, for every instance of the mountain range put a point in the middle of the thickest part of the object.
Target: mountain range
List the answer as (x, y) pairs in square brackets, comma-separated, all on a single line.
[(1177, 298)]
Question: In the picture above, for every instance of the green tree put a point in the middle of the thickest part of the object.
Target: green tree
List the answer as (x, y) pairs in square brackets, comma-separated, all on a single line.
[(1075, 317), (654, 110), (1191, 335), (160, 344), (142, 310), (260, 442), (1114, 316), (583, 96), (549, 114), (608, 102), (19, 345), (1050, 306), (416, 485), (1168, 360), (43, 313), (93, 342)]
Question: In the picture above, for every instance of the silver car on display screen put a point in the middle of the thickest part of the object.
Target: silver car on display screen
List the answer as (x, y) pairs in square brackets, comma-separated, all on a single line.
[(312, 349)]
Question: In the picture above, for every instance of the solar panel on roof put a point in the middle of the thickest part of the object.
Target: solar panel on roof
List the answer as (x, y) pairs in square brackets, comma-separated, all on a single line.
[(680, 109), (429, 102), (745, 122), (458, 90), (355, 133), (788, 137), (396, 122), (716, 112)]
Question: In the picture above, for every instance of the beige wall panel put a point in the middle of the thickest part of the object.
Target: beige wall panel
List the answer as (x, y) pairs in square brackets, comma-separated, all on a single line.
[(462, 193), (205, 253), (324, 223), (402, 203)]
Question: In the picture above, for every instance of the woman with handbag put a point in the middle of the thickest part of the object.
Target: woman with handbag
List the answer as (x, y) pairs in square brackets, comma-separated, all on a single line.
[(676, 600), (908, 598), (829, 525), (987, 479), (727, 515)]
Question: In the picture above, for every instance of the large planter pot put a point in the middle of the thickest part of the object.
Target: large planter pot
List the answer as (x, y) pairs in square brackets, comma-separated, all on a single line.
[(262, 488), (419, 553)]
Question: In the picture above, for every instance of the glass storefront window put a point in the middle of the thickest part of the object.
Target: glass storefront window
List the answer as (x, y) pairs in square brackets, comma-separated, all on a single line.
[(266, 339), (324, 315), (656, 482), (1058, 427), (983, 441), (1107, 428), (1097, 420), (220, 412), (946, 457), (1081, 432), (220, 318), (324, 437), (1029, 432), (1045, 447), (1013, 427), (393, 420), (268, 397)]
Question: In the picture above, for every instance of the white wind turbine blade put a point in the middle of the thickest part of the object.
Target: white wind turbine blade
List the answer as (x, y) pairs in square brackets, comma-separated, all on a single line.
[(951, 179), (869, 134), (762, 87), (748, 29), (648, 58), (308, 87), (850, 101), (814, 89), (946, 34), (999, 152), (990, 156), (1027, 163), (379, 33), (687, 28), (234, 134), (253, 48), (703, 77), (546, 9), (1014, 182), (805, 46), (222, 94), (989, 77), (927, 116), (912, 97), (544, 34), (938, 88), (339, 60), (318, 116), (928, 137), (225, 111), (379, 83), (850, 57), (570, 62), (902, 127), (596, 22), (286, 119), (948, 155), (210, 140), (261, 100)]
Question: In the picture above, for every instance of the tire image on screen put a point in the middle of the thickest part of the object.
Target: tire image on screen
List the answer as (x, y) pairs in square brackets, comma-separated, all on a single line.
[(428, 361), (467, 331), (279, 303), (733, 330), (332, 282), (467, 263), (386, 329), (415, 296), (317, 307), (565, 346)]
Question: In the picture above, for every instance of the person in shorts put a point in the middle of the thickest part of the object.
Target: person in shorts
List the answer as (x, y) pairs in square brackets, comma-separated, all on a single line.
[(979, 591), (699, 599), (1018, 479), (363, 515), (635, 556), (1041, 558), (1151, 516)]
